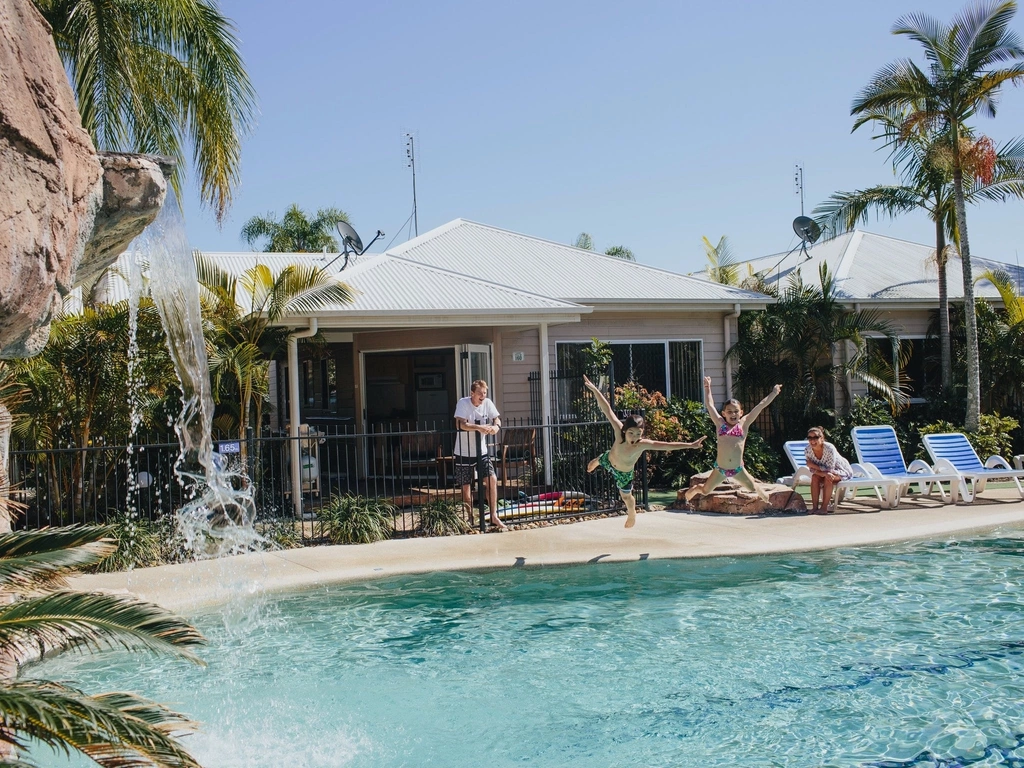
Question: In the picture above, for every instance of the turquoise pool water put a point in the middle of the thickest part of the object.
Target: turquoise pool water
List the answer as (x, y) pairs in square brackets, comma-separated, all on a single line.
[(887, 657)]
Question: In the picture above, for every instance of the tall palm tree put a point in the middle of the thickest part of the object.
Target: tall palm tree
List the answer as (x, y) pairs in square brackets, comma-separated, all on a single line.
[(927, 185), (242, 312), (963, 78), (156, 75), (586, 242), (37, 611), (295, 232)]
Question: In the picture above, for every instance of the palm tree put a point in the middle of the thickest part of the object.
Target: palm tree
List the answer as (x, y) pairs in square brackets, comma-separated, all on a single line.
[(723, 266), (927, 185), (154, 75), (242, 312), (38, 613), (586, 243), (964, 76), (794, 341), (295, 232)]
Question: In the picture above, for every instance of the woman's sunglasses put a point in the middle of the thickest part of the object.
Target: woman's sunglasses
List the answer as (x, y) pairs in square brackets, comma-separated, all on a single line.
[(814, 437)]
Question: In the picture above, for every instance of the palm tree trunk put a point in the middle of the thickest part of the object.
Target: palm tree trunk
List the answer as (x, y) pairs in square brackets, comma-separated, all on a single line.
[(945, 349), (972, 419)]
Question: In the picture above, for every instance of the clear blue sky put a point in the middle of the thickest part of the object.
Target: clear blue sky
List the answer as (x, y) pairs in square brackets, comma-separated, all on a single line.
[(647, 124)]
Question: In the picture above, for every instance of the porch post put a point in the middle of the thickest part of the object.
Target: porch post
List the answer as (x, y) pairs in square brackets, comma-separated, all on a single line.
[(727, 337), (293, 412), (545, 399)]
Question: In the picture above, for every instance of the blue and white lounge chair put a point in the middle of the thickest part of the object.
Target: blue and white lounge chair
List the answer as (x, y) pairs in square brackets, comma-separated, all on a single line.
[(886, 489), (952, 452), (879, 450)]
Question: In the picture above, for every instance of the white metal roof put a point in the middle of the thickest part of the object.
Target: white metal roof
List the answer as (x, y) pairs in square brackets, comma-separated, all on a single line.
[(390, 291), (555, 269), (870, 268)]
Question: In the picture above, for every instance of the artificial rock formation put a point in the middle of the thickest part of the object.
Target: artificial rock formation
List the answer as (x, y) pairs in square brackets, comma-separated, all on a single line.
[(731, 498), (59, 207)]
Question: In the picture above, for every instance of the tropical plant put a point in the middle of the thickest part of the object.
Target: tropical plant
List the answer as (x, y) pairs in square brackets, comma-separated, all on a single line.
[(963, 77), (796, 342), (242, 313), (112, 729), (352, 519), (723, 266), (443, 516), (992, 438), (137, 543), (281, 532), (295, 232), (153, 75), (927, 185), (586, 243)]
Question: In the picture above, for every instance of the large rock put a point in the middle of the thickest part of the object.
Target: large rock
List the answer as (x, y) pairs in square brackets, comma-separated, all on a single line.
[(731, 498), (50, 180), (134, 189)]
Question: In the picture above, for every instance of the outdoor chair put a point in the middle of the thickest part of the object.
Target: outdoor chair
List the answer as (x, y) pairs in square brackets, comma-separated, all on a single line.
[(517, 449), (418, 455), (952, 452), (886, 489), (879, 450)]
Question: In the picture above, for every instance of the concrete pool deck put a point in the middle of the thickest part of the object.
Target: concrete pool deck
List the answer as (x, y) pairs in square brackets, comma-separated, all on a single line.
[(657, 535)]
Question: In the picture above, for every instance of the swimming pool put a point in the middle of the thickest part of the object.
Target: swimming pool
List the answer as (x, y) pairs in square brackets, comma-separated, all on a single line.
[(905, 655)]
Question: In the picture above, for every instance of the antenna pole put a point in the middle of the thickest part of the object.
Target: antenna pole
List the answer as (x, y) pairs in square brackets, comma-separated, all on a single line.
[(410, 153), (798, 181)]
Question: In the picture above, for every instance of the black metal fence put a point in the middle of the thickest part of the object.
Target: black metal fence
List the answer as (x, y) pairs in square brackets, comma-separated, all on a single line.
[(541, 475)]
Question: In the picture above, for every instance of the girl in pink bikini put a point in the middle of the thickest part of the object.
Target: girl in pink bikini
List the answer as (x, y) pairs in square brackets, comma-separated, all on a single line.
[(731, 426)]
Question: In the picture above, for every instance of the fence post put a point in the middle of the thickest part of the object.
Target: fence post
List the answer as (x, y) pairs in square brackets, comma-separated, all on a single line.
[(480, 488), (250, 454)]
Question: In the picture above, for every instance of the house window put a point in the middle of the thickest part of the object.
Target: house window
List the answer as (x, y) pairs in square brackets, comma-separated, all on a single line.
[(671, 367)]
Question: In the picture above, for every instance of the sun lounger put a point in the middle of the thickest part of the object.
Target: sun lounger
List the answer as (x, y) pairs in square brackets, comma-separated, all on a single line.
[(886, 489), (951, 451), (879, 451)]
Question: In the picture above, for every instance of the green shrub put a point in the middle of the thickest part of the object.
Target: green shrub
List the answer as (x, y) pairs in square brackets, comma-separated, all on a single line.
[(443, 517), (282, 532), (357, 520), (138, 544), (993, 438)]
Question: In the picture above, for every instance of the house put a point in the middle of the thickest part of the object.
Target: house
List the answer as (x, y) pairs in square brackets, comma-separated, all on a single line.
[(896, 277), (467, 301)]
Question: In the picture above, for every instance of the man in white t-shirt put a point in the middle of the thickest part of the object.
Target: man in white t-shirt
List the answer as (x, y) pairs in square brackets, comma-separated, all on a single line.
[(477, 413)]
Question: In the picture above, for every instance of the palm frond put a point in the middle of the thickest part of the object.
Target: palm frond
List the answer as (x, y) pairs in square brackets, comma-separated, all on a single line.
[(31, 559), (96, 621), (113, 729)]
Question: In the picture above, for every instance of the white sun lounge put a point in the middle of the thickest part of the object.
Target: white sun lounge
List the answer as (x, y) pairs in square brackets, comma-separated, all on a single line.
[(886, 489), (878, 450), (952, 452)]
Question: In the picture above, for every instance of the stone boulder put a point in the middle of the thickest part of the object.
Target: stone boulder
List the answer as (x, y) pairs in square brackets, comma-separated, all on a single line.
[(53, 190), (731, 498), (134, 189), (50, 184)]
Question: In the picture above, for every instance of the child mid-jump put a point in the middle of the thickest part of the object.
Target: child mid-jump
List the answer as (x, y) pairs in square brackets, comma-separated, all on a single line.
[(731, 427), (620, 460)]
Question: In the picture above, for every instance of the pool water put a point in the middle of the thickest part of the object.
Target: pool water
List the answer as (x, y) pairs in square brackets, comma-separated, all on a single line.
[(893, 656)]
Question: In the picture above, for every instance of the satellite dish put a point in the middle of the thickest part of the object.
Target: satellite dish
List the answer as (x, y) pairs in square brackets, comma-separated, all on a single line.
[(806, 229), (349, 239)]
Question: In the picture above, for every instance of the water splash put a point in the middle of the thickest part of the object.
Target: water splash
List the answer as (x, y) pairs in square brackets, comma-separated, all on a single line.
[(219, 517)]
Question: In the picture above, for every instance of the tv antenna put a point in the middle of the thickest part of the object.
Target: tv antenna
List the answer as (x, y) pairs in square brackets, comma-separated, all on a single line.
[(798, 184), (410, 154), (350, 243)]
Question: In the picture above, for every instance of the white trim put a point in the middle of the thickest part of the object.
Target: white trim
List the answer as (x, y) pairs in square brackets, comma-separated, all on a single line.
[(664, 342)]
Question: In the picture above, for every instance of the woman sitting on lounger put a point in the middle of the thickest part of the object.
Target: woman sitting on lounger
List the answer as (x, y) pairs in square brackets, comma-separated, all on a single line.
[(827, 467)]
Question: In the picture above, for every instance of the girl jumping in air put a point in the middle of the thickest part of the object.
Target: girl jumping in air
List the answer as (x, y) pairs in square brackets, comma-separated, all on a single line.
[(620, 460), (732, 437)]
